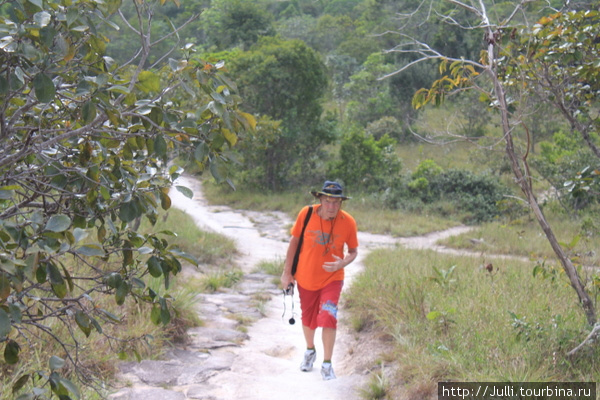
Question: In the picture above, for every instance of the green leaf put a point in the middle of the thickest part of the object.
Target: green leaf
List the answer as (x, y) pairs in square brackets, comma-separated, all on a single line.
[(58, 223), (44, 88), (138, 283), (160, 146), (91, 250), (8, 266), (113, 280), (185, 191), (40, 275), (433, 315), (55, 385), (56, 280), (121, 293), (145, 250), (68, 278), (70, 387), (54, 274), (110, 315), (218, 169), (230, 136), (20, 383), (88, 112), (60, 290), (154, 267), (83, 321), (156, 115), (175, 265), (155, 314), (11, 352), (119, 89), (148, 82), (129, 211), (96, 325), (37, 3), (3, 85), (56, 363), (80, 234), (42, 18), (165, 200), (4, 287), (201, 152), (4, 324), (112, 6), (188, 257), (165, 315), (15, 313)]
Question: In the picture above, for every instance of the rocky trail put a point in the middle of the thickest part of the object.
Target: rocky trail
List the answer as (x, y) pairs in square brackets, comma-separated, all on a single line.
[(222, 362)]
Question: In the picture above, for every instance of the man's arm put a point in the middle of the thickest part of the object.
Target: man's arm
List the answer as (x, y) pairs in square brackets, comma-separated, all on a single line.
[(286, 275)]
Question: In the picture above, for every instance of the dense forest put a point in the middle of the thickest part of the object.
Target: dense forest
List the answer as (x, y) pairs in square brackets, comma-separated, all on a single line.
[(323, 79), (99, 98)]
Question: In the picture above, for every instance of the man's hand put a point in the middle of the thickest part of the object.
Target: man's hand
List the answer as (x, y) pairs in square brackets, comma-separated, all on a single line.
[(332, 266), (286, 280)]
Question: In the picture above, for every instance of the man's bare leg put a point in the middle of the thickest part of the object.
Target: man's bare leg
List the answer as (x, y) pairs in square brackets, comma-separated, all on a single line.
[(309, 336), (328, 342)]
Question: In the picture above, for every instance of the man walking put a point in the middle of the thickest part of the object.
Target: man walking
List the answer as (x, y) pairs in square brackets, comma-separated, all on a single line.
[(320, 270)]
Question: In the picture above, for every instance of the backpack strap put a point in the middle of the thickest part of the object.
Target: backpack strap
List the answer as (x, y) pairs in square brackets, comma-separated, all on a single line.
[(297, 255)]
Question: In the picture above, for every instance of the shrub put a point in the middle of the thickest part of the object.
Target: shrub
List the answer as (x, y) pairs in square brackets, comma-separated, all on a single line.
[(390, 126), (446, 192), (426, 170), (475, 194), (366, 162)]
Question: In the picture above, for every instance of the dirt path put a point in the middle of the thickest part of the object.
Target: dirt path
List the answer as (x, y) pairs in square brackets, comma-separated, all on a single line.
[(222, 363)]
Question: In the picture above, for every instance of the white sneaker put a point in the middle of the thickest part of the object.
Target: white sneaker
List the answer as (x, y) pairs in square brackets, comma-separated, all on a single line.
[(327, 372), (309, 358)]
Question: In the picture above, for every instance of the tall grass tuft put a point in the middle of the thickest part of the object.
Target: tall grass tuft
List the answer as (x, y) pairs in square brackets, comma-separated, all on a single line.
[(453, 318), (213, 281), (378, 386)]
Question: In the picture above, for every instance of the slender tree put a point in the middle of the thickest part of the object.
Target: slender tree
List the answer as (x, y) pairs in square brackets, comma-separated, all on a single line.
[(507, 96)]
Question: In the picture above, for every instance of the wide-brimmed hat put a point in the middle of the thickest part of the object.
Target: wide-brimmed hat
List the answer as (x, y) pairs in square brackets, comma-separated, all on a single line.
[(331, 189)]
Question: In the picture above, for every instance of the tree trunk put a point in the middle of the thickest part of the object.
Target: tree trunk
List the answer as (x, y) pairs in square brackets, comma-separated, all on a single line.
[(525, 185)]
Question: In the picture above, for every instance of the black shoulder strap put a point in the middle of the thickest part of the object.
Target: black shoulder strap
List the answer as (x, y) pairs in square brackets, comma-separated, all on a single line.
[(297, 255)]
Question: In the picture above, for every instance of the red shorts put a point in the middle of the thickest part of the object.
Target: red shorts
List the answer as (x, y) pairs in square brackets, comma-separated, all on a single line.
[(319, 307)]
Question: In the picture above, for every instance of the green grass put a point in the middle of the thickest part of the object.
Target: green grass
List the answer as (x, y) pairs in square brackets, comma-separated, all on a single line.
[(272, 267), (472, 325), (213, 281), (207, 247), (377, 387), (371, 216), (288, 202), (369, 212), (453, 155), (525, 238)]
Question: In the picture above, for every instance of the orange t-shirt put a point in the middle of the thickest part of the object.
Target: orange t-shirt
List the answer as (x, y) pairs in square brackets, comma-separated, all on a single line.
[(322, 239)]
